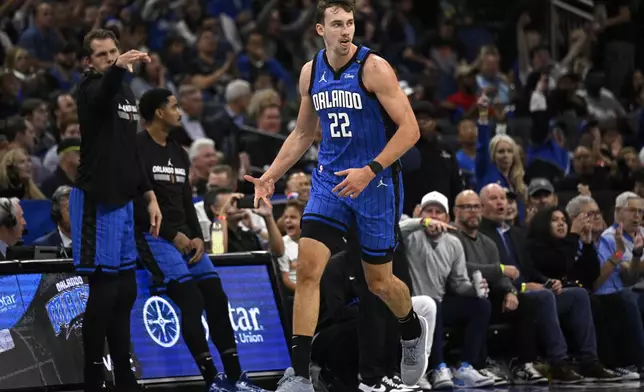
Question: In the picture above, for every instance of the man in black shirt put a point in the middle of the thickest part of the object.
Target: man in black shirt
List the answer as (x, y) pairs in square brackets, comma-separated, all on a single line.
[(176, 259), (101, 208)]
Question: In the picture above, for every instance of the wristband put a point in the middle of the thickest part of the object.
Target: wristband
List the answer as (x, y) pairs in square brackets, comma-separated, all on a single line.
[(618, 255), (375, 167), (221, 218), (426, 222), (502, 268), (523, 287), (638, 253)]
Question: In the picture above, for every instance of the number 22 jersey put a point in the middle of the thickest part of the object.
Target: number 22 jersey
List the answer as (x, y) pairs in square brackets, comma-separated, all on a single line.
[(355, 126)]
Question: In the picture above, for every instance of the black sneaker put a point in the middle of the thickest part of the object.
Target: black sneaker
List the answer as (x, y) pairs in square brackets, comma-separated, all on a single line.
[(526, 374), (562, 373), (596, 372)]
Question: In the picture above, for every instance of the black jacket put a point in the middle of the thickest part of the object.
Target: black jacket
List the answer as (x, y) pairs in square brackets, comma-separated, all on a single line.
[(109, 168), (526, 266), (51, 239)]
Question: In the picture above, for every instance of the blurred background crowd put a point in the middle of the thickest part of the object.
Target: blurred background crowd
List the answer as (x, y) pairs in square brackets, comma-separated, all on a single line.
[(542, 98)]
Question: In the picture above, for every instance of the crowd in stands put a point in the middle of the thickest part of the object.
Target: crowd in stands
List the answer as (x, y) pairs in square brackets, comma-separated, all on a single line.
[(538, 160)]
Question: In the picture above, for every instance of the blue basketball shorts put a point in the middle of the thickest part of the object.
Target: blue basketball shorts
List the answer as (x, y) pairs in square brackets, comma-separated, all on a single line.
[(102, 235), (375, 212), (165, 263)]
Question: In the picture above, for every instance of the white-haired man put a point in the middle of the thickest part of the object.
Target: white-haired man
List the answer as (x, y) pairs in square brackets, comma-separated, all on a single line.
[(12, 224), (620, 251), (203, 157)]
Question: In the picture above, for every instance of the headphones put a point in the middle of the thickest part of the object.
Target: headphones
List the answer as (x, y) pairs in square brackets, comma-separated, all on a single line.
[(7, 213), (61, 193)]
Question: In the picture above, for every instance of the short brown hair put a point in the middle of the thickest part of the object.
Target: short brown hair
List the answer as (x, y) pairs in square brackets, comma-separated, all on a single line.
[(66, 122), (347, 5), (97, 34)]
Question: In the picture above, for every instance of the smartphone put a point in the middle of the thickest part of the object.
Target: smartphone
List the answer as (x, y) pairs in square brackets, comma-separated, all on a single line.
[(246, 202), (548, 284)]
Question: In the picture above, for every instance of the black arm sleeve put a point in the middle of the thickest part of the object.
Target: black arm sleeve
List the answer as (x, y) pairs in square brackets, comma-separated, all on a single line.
[(100, 91)]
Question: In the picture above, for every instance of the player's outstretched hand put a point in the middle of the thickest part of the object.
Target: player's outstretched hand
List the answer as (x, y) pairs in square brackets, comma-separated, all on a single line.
[(354, 183), (198, 247), (263, 189), (155, 217), (127, 59)]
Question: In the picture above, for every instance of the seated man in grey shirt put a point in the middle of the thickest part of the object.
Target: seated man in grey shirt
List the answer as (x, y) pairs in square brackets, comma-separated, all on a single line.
[(508, 306), (436, 265)]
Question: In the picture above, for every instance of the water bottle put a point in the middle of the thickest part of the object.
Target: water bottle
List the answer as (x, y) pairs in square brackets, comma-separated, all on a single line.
[(477, 277), (216, 238)]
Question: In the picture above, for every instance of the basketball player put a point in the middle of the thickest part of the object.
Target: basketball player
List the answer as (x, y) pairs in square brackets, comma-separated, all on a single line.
[(355, 98), (176, 259), (101, 208)]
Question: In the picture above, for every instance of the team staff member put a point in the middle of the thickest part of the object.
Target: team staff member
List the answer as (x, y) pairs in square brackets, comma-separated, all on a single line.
[(102, 212), (176, 259)]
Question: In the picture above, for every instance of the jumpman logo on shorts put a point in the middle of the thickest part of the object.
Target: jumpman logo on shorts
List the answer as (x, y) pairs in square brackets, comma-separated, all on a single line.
[(381, 183)]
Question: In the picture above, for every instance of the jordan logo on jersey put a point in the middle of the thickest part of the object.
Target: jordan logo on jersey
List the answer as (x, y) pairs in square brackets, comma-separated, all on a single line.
[(169, 173), (323, 77)]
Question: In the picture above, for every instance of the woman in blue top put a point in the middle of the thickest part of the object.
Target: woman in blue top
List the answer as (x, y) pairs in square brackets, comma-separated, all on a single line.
[(498, 161)]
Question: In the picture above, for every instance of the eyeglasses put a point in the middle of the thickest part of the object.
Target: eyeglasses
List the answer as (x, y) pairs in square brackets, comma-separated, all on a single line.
[(594, 214), (469, 207)]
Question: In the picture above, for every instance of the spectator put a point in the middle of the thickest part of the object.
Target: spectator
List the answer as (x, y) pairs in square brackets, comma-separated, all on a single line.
[(192, 108), (221, 204), (16, 178), (204, 157), (437, 265), (65, 174), (541, 194), (69, 129), (12, 227), (262, 98), (41, 40), (288, 261), (206, 71), (585, 172), (9, 93), (466, 156), (601, 103), (615, 25), (152, 75), (64, 75), (229, 121), (19, 64), (298, 186), (62, 235), (569, 303), (262, 150), (21, 134), (35, 112), (617, 316), (498, 162), (508, 305), (462, 103), (489, 79), (430, 165), (256, 61), (223, 176)]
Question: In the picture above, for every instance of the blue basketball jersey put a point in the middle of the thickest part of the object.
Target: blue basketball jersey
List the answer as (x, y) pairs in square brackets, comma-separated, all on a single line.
[(355, 127)]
